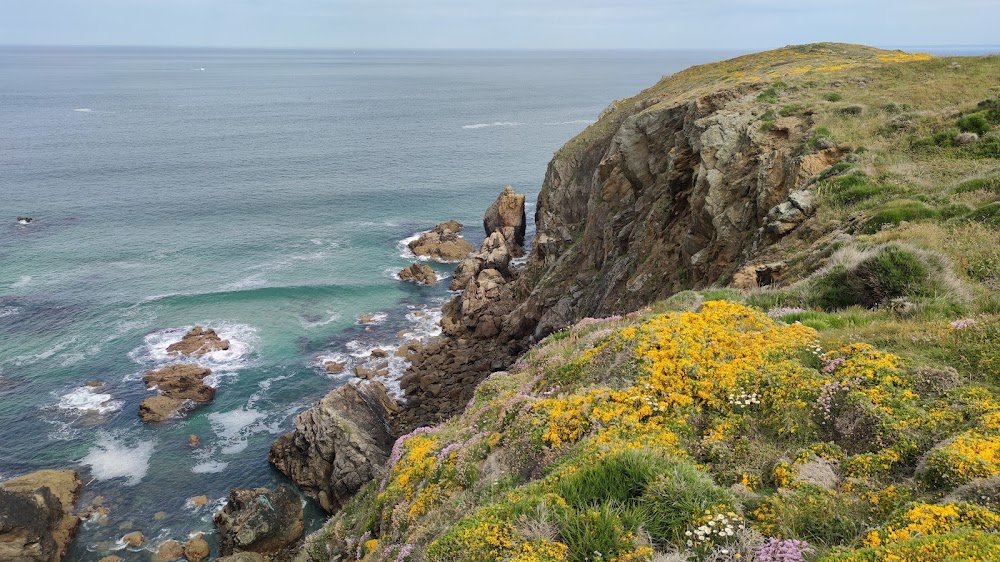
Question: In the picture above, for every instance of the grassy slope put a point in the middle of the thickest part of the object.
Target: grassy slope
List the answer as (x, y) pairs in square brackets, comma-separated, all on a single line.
[(616, 438)]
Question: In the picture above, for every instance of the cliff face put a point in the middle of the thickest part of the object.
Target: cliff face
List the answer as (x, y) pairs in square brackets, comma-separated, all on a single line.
[(661, 195), (677, 197)]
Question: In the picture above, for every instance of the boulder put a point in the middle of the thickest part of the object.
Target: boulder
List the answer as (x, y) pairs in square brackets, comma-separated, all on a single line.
[(169, 551), (159, 408), (820, 472), (24, 220), (178, 383), (194, 440), (339, 444), (334, 367), (184, 382), (787, 216), (111, 558), (419, 273), (197, 549), (199, 501), (36, 520), (198, 341), (442, 243), (133, 539), (506, 215), (259, 520)]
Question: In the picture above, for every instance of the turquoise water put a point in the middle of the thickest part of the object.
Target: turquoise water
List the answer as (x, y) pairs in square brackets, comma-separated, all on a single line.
[(262, 193)]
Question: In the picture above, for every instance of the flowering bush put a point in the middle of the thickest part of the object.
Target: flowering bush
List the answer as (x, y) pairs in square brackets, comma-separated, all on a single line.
[(788, 550)]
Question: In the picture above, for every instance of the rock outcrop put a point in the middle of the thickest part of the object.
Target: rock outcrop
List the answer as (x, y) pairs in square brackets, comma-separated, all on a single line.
[(506, 215), (339, 444), (178, 384), (668, 191), (198, 341), (36, 519), (442, 243), (259, 520), (419, 273)]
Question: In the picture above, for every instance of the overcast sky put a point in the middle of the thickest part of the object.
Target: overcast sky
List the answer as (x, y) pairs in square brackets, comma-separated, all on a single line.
[(561, 24)]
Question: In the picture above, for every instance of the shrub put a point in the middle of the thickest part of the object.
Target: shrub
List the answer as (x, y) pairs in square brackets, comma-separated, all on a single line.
[(962, 460), (872, 277), (769, 95), (890, 273), (991, 183), (853, 188), (988, 214), (813, 514), (851, 110), (792, 109), (605, 530), (620, 478), (678, 496), (987, 148), (975, 123), (830, 290), (897, 212), (833, 96), (945, 138)]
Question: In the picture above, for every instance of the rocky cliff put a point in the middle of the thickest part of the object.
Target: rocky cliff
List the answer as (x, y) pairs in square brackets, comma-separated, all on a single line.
[(675, 188)]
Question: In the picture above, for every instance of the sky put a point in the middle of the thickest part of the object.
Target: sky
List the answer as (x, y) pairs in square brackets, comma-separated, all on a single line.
[(498, 24)]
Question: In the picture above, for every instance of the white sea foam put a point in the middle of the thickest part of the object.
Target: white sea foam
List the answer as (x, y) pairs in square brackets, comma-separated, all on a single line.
[(22, 282), (376, 319), (210, 467), (44, 355), (235, 428), (330, 317), (118, 457), (242, 341), (426, 320), (254, 281), (88, 400), (404, 246), (83, 110), (347, 360), (494, 124), (9, 311)]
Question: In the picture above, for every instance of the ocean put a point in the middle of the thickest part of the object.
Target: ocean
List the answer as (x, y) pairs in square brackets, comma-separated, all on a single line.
[(260, 193)]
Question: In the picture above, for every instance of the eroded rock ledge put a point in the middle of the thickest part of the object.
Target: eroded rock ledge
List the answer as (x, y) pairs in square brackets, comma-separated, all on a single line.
[(36, 515), (339, 444)]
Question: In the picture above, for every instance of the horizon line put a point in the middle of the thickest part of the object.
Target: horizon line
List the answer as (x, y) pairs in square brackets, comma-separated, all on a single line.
[(440, 49)]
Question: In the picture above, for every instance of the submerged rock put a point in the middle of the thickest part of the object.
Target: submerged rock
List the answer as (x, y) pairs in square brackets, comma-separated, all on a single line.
[(134, 539), (198, 341), (169, 551), (36, 520), (339, 444), (442, 243), (259, 520), (24, 220), (419, 273)]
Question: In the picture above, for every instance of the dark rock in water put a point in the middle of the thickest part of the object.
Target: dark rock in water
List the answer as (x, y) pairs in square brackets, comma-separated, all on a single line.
[(24, 220), (178, 383), (419, 273), (259, 520), (506, 215), (36, 520), (442, 242), (339, 444), (198, 341)]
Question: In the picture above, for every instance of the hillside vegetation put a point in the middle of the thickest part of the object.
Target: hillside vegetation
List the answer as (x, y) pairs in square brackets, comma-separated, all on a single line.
[(848, 410)]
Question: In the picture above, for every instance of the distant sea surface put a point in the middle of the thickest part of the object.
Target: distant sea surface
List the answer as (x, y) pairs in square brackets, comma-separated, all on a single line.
[(261, 193)]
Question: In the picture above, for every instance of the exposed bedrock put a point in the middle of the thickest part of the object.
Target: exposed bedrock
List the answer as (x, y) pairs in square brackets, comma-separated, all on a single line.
[(339, 444), (37, 522)]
